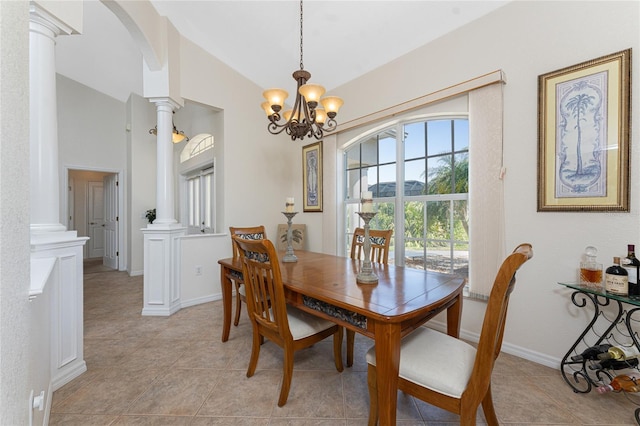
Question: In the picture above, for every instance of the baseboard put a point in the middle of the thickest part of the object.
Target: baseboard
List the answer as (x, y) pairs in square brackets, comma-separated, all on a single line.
[(136, 273), (69, 375), (200, 300), (519, 351)]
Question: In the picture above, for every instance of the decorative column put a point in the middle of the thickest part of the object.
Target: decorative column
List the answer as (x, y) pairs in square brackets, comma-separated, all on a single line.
[(165, 206), (162, 237), (50, 239), (43, 119)]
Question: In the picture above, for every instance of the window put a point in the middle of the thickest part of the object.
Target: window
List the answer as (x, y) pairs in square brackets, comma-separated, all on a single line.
[(197, 194), (200, 202), (429, 186)]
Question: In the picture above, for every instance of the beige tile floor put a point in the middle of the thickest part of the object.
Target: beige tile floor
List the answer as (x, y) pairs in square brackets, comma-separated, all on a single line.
[(176, 371)]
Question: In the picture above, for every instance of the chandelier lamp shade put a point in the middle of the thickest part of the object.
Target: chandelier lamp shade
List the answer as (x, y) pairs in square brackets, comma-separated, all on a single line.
[(177, 136), (307, 118)]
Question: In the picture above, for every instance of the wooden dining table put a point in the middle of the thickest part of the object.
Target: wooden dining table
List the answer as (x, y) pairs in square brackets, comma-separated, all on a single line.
[(402, 300)]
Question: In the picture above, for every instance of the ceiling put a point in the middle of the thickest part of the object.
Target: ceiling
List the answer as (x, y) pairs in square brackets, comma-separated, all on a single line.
[(261, 39)]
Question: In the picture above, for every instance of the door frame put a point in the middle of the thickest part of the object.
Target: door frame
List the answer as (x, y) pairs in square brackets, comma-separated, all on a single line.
[(122, 247)]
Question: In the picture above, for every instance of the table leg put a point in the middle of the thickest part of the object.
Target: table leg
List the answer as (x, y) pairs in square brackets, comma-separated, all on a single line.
[(226, 285), (387, 338), (454, 317)]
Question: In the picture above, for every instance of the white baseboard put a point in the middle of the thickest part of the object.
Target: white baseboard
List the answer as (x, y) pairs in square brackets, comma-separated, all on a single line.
[(508, 348), (136, 273), (201, 300)]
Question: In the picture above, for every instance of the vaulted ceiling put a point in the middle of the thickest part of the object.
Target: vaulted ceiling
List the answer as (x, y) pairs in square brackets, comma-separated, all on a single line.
[(261, 39)]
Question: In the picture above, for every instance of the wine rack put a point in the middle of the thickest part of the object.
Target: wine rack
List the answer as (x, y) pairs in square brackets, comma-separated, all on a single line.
[(612, 322)]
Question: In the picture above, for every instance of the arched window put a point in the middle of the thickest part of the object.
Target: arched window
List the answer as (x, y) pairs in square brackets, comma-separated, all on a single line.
[(423, 181), (196, 145), (421, 169)]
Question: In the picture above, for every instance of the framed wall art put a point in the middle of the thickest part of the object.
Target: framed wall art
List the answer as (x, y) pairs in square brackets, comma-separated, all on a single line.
[(312, 177), (583, 136)]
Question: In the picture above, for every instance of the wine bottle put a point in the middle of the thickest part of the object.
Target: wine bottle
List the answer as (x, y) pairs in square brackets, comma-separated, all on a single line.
[(632, 266), (613, 364), (591, 353), (620, 353), (623, 382), (616, 279)]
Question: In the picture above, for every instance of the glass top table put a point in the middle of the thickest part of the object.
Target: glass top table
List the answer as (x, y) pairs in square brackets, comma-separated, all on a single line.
[(631, 300)]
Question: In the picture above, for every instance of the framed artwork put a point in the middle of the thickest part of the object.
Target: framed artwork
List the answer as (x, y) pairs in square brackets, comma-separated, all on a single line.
[(583, 136), (297, 236), (312, 177)]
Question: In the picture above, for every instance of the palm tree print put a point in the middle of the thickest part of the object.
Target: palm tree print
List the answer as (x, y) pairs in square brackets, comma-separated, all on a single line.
[(581, 138)]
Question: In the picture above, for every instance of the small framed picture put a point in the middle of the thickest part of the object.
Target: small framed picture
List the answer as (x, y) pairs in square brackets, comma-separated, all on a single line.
[(583, 136), (312, 177)]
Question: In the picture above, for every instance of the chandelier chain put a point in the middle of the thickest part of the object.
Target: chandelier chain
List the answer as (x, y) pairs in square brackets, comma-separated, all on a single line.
[(301, 66)]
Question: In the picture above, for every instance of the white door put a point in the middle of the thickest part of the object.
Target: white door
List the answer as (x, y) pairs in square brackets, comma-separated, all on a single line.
[(111, 253), (95, 216)]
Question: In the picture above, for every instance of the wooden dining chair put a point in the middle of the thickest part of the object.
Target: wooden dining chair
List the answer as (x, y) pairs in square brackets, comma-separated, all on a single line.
[(247, 233), (380, 241), (271, 317), (450, 373)]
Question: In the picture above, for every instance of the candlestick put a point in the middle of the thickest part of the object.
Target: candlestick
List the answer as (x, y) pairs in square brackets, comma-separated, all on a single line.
[(288, 255), (366, 274)]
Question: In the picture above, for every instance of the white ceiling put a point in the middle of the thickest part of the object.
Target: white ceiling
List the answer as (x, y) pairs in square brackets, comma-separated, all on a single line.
[(261, 39)]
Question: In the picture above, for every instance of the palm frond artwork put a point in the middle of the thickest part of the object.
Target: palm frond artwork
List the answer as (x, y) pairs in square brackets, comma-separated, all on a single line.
[(297, 236)]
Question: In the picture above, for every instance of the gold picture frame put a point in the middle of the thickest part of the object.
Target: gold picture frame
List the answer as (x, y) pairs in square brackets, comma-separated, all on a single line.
[(312, 177), (583, 136)]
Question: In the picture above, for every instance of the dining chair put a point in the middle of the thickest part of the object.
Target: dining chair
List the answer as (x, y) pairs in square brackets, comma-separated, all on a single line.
[(248, 233), (380, 241), (450, 373), (271, 317)]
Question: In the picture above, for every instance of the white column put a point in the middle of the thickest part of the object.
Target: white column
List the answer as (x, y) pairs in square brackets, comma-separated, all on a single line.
[(43, 118), (162, 237), (49, 238), (165, 207)]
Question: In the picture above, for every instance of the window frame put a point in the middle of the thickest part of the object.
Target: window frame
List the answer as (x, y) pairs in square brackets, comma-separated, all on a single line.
[(399, 199)]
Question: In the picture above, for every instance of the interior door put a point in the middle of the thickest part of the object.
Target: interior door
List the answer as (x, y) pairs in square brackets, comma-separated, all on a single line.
[(95, 216), (111, 252)]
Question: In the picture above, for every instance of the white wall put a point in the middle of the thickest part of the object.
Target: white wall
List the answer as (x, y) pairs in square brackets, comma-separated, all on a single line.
[(256, 170), (199, 269), (141, 169), (17, 357), (92, 136), (526, 39)]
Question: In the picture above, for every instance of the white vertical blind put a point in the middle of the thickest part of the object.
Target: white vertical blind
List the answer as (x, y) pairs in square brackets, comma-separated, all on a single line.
[(486, 189)]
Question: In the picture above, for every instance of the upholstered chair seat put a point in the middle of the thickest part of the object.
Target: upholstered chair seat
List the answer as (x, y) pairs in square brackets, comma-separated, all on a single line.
[(434, 360)]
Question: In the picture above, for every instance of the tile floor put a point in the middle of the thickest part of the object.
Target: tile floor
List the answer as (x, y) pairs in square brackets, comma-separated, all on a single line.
[(176, 371)]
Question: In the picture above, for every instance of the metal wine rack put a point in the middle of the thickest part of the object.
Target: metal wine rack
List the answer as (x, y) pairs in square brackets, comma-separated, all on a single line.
[(612, 322)]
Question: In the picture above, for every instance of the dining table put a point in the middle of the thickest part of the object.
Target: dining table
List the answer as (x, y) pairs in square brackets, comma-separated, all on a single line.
[(402, 300)]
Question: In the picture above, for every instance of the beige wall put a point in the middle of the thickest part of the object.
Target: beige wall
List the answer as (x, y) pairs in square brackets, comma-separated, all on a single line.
[(526, 39)]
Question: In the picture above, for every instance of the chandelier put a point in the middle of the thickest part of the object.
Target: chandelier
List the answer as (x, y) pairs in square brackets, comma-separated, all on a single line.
[(305, 118), (177, 136)]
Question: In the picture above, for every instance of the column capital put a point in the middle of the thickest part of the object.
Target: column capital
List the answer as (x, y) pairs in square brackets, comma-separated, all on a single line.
[(166, 102), (39, 15)]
